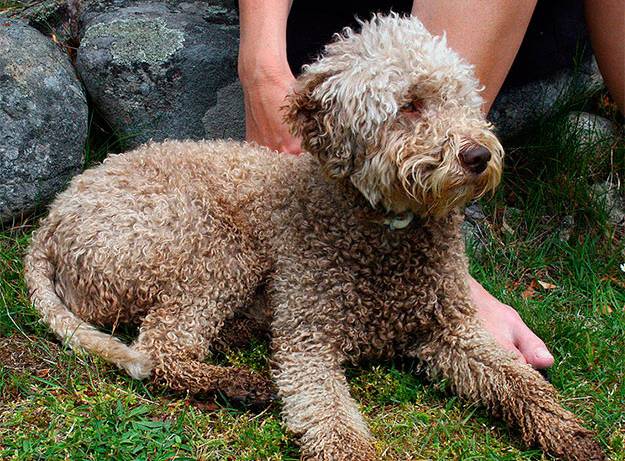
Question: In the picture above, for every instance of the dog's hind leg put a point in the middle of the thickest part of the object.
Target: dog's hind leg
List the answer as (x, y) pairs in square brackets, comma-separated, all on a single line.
[(478, 369), (177, 338)]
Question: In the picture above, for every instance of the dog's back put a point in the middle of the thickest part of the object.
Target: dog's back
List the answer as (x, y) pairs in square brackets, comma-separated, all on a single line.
[(126, 233)]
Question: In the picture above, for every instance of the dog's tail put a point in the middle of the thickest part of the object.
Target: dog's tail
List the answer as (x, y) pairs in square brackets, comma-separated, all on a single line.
[(39, 274)]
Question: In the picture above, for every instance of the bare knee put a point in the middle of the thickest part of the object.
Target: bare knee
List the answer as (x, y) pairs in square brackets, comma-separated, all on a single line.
[(486, 33)]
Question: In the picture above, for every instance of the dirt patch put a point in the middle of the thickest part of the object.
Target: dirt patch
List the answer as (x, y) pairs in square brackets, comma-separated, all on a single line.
[(26, 355)]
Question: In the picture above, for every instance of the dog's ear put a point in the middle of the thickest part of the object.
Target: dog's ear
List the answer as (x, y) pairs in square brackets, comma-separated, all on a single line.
[(312, 113)]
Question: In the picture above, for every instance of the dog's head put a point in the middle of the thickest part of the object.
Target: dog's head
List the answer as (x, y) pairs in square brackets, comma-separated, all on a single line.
[(396, 112)]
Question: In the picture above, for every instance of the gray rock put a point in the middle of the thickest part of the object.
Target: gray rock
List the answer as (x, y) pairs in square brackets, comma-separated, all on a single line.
[(516, 108), (592, 131), (475, 237), (474, 228), (155, 71), (593, 140), (226, 119), (212, 11), (474, 213), (565, 230), (608, 196), (43, 119)]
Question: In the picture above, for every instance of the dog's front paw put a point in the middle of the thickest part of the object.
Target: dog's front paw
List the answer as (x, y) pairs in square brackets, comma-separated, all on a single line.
[(340, 447), (574, 444), (586, 448), (563, 436)]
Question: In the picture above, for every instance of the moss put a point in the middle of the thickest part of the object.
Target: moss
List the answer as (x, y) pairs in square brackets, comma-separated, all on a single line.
[(141, 40)]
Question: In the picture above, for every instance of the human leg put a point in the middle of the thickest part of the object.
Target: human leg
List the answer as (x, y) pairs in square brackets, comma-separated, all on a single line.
[(508, 328), (486, 33), (607, 34)]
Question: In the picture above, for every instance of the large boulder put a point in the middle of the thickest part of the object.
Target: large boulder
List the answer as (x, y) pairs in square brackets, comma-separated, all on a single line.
[(517, 108), (162, 70), (43, 119)]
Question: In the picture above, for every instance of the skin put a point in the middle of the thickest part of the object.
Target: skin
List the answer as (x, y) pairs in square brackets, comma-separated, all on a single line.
[(264, 72), (607, 34), (489, 45)]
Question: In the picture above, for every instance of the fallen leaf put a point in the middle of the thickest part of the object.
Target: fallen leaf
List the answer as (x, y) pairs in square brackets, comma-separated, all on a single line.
[(616, 281), (547, 285), (606, 309), (530, 291)]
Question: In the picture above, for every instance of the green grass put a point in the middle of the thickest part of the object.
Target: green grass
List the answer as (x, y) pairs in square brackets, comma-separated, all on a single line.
[(15, 5), (55, 405), (8, 4)]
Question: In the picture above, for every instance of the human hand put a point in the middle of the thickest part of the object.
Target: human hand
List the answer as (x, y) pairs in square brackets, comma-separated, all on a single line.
[(264, 96), (508, 329)]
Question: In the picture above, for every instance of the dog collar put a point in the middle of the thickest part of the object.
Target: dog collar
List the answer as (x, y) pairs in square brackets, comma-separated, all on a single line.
[(400, 221)]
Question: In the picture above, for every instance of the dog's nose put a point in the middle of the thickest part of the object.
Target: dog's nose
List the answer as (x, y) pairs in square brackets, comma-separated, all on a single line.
[(475, 159)]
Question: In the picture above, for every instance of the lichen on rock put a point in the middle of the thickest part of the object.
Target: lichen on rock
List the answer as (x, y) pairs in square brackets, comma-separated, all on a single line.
[(137, 40), (154, 71)]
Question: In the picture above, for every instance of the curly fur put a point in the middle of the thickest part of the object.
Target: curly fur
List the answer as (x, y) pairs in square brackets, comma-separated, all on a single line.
[(181, 237)]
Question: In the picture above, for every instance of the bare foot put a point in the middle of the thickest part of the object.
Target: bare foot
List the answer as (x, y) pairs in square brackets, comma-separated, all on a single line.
[(507, 327)]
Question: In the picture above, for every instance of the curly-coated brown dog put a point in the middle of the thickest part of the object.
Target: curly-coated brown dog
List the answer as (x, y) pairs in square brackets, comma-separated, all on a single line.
[(357, 247)]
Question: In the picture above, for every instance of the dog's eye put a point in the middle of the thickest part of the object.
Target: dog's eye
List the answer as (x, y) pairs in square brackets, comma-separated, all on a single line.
[(411, 108)]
